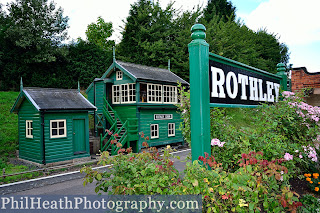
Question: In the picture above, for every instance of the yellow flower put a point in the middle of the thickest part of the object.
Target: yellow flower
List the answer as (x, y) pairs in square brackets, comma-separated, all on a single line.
[(168, 147), (211, 189), (205, 180), (242, 203), (316, 189)]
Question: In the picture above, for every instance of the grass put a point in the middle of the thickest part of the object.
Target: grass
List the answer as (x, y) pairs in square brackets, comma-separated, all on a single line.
[(8, 125)]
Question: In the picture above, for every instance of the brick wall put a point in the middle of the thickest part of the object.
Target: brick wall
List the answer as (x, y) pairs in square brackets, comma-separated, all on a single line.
[(301, 78)]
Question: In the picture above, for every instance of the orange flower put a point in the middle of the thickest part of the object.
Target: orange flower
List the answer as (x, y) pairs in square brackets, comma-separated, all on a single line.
[(310, 182), (308, 179), (316, 189), (315, 175), (307, 175), (318, 182)]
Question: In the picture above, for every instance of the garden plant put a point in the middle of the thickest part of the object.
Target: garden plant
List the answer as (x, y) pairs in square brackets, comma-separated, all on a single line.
[(248, 169)]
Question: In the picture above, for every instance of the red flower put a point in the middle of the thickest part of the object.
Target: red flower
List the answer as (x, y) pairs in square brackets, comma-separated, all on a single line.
[(206, 155), (119, 145), (147, 138), (116, 135), (201, 158), (129, 150), (244, 156), (170, 163), (109, 133), (225, 197)]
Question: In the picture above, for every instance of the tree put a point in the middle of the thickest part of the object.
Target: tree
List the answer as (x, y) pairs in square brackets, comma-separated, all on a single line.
[(220, 8), (32, 33), (147, 34), (98, 33)]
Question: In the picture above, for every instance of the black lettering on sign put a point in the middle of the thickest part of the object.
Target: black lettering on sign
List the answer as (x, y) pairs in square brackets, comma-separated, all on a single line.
[(233, 85), (163, 116)]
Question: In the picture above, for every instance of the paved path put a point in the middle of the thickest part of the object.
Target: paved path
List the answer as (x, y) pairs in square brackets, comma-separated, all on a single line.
[(66, 184)]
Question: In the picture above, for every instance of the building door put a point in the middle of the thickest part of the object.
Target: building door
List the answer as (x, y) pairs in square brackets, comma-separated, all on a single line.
[(79, 140)]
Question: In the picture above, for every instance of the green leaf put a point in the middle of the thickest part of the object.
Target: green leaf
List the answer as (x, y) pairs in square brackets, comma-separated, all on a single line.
[(99, 177), (251, 206)]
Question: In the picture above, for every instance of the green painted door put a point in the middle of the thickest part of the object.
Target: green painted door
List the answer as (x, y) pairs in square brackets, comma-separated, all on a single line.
[(79, 141)]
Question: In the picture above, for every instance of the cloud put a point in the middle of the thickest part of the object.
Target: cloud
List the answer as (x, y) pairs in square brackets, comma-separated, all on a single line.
[(296, 22)]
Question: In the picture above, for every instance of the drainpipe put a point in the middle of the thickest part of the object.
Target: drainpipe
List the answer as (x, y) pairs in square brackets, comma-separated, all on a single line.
[(43, 139)]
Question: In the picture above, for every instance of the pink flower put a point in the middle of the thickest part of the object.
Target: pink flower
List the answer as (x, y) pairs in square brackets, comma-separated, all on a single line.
[(300, 156), (221, 144), (215, 141), (287, 156)]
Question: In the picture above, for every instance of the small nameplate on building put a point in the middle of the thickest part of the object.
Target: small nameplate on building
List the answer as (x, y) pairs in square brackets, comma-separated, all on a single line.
[(163, 116)]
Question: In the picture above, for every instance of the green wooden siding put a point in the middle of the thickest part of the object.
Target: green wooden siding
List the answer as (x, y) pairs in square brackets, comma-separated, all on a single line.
[(125, 79), (100, 93), (59, 149), (90, 94), (29, 148), (126, 111), (147, 118)]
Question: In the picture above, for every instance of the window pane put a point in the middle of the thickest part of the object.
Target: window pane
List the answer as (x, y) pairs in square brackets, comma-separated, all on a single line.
[(54, 132), (30, 124), (61, 131), (54, 124), (61, 124)]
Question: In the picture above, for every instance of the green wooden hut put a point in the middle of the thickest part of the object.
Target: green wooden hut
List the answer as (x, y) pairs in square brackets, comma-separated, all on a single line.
[(132, 98), (53, 124)]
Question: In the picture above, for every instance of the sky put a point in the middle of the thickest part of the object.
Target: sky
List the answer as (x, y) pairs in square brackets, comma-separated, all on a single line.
[(296, 23)]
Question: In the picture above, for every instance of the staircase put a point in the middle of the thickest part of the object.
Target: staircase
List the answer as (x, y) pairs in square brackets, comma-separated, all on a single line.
[(117, 132)]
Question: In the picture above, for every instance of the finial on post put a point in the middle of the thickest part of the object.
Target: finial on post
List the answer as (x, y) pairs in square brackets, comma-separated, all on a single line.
[(198, 31), (78, 86), (114, 53), (21, 85), (169, 64), (281, 68)]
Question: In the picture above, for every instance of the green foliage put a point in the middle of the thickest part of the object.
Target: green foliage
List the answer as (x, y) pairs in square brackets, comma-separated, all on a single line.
[(31, 32), (310, 204), (153, 35), (142, 173), (223, 9), (8, 125), (288, 126), (256, 185), (12, 169), (98, 34), (85, 62)]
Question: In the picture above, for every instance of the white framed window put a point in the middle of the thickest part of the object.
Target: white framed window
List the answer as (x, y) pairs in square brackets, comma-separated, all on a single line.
[(171, 129), (132, 93), (58, 128), (29, 129), (170, 94), (116, 94), (154, 92), (119, 75), (154, 131), (124, 93)]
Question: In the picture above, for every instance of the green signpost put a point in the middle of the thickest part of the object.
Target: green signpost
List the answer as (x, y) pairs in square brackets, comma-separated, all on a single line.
[(216, 81)]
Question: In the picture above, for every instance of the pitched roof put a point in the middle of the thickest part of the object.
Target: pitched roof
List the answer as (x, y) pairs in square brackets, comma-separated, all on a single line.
[(54, 99), (150, 73)]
